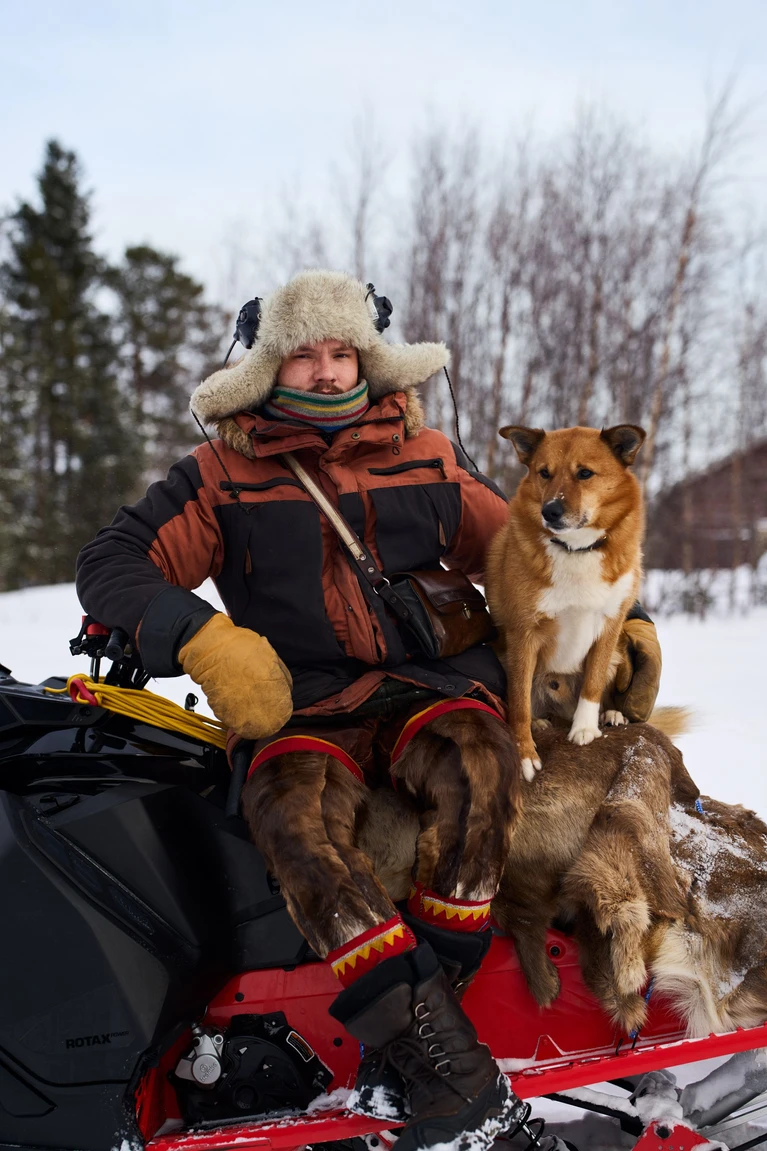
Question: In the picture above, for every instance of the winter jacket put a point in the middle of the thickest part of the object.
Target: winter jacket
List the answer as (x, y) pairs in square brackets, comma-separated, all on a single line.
[(233, 511)]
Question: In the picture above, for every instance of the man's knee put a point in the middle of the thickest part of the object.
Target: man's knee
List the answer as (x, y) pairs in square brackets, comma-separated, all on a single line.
[(469, 753), (281, 794)]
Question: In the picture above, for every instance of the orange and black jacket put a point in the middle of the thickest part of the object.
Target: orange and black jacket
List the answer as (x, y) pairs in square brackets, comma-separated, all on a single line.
[(279, 566)]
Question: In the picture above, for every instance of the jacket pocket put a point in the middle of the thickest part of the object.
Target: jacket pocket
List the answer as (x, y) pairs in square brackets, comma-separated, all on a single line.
[(436, 464), (414, 523), (278, 481)]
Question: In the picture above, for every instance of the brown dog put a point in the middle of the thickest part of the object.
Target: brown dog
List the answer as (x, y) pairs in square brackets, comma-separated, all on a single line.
[(564, 571)]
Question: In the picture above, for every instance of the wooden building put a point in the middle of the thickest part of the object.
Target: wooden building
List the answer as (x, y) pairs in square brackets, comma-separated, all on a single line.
[(716, 518)]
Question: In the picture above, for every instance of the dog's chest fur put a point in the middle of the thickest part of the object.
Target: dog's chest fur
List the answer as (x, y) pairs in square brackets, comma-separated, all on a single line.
[(580, 600)]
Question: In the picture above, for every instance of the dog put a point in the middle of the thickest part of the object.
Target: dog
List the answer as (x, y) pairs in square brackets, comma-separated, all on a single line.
[(563, 572), (654, 881)]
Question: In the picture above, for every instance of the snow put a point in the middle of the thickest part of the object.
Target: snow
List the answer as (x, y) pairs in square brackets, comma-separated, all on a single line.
[(589, 1096), (656, 1099), (712, 1097), (36, 625), (710, 847), (715, 667), (379, 1102), (336, 1099)]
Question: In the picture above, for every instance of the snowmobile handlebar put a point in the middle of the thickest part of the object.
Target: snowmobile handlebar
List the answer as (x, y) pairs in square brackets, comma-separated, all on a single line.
[(97, 641), (116, 644)]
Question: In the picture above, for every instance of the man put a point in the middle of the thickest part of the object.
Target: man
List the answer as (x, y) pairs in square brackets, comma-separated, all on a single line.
[(306, 645)]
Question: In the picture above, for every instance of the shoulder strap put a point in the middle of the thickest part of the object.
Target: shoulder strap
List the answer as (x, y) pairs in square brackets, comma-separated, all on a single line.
[(337, 521), (363, 561)]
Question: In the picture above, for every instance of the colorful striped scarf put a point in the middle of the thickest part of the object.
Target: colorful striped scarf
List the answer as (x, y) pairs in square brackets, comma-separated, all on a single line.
[(326, 413)]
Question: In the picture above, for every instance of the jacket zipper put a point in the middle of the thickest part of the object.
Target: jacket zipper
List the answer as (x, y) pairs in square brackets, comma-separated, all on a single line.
[(436, 464)]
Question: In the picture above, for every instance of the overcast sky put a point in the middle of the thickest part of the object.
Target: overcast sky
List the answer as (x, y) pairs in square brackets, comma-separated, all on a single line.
[(191, 115)]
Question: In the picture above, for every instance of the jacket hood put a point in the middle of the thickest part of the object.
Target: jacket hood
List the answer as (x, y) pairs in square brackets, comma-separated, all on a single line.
[(315, 306)]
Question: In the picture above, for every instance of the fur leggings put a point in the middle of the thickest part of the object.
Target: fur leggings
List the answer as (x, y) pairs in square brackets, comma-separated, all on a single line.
[(462, 773)]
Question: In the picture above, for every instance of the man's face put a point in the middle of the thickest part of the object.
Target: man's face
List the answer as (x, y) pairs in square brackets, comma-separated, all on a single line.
[(329, 367)]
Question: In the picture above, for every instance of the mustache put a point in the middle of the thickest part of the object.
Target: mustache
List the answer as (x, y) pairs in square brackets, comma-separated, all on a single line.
[(323, 389)]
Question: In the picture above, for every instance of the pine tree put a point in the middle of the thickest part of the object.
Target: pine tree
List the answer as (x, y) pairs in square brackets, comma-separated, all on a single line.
[(170, 339), (68, 458)]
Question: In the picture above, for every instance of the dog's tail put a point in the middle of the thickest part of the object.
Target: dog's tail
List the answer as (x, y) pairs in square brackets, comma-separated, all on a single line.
[(672, 721)]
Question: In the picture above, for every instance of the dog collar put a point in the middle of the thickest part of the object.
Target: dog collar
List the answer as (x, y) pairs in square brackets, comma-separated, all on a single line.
[(600, 543)]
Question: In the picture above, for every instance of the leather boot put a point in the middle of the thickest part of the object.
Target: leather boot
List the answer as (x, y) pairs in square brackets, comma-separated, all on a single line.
[(460, 952), (413, 1022), (379, 1090)]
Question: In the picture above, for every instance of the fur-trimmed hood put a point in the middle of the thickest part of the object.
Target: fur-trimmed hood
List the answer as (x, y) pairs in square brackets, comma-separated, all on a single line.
[(252, 434), (315, 306)]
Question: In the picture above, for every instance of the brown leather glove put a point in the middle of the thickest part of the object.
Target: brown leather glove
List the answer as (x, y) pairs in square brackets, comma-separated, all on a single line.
[(245, 682), (638, 677)]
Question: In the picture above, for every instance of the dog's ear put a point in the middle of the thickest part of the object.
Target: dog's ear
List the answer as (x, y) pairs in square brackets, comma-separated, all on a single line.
[(624, 441), (525, 440)]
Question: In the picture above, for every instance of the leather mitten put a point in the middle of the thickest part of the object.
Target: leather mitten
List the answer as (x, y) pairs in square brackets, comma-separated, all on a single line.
[(245, 682), (638, 677)]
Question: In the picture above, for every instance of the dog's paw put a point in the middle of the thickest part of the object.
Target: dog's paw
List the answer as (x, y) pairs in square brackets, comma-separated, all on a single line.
[(583, 735), (614, 719), (528, 755), (530, 765), (585, 726), (541, 725)]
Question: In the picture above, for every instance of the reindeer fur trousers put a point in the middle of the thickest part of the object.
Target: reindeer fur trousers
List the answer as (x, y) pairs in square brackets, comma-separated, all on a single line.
[(304, 809)]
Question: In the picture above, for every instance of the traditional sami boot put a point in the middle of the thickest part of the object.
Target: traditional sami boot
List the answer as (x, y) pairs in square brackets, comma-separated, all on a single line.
[(405, 1011)]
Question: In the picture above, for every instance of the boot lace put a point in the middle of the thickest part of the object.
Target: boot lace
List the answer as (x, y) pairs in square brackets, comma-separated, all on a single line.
[(417, 1061), (409, 1059), (422, 1062)]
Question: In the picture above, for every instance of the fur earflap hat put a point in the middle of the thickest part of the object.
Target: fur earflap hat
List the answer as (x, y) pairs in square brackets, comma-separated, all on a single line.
[(315, 306)]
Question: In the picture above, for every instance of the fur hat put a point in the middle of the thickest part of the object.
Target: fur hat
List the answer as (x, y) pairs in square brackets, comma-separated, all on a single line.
[(315, 306)]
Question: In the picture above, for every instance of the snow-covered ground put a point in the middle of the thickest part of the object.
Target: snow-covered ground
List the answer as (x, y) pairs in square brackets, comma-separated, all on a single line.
[(716, 668)]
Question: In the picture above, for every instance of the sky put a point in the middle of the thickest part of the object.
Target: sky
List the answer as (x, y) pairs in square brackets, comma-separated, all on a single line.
[(192, 119)]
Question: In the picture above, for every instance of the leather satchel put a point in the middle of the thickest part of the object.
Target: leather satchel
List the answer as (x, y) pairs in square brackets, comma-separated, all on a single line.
[(448, 613), (443, 610)]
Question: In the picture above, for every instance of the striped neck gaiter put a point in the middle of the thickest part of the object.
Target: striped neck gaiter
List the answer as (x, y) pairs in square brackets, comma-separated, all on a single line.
[(326, 413)]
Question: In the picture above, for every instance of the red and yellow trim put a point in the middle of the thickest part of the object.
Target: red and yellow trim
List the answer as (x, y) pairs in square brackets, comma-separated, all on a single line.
[(416, 722), (455, 914), (288, 743), (362, 953)]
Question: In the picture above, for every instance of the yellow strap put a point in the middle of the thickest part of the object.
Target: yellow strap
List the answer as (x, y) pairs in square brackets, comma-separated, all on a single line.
[(149, 708)]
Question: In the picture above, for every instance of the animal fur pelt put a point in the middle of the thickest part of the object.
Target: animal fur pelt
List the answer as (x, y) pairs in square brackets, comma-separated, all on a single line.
[(650, 886), (315, 306)]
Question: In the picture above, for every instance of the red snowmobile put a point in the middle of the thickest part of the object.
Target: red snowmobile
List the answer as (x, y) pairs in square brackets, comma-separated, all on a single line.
[(156, 993)]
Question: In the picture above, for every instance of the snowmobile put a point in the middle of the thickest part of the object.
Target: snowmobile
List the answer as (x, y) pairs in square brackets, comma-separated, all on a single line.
[(156, 995)]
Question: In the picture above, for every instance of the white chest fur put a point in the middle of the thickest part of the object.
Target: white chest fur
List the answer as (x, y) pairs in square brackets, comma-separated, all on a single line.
[(580, 600)]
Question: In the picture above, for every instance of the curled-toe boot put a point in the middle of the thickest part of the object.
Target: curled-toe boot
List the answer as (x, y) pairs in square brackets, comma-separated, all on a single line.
[(455, 1092)]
